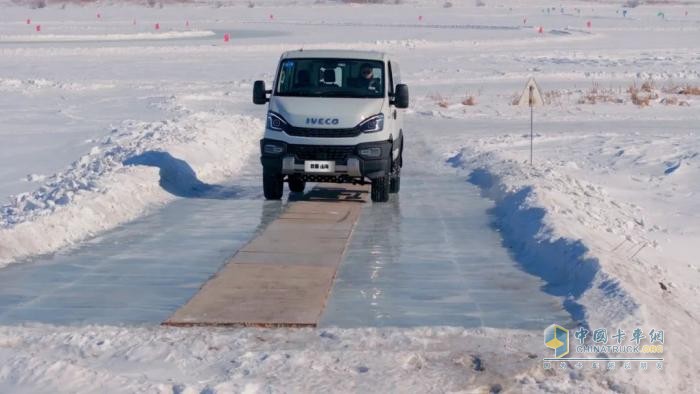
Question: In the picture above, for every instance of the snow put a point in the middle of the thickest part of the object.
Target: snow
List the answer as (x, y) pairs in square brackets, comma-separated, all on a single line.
[(105, 37), (607, 216), (195, 360), (101, 189)]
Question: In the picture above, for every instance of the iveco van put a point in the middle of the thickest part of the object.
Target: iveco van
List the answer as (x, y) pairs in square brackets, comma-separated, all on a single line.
[(333, 116)]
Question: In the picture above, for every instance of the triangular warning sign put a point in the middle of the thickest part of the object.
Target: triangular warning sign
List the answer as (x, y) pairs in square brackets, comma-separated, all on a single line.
[(531, 96)]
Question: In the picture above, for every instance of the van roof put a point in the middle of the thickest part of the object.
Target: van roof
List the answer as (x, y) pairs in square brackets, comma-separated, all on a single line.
[(335, 54)]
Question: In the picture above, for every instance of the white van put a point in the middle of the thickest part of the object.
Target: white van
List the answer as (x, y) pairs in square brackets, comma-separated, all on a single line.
[(334, 116)]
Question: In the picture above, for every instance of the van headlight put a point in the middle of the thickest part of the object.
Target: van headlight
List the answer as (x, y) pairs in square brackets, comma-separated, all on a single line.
[(276, 122), (372, 124)]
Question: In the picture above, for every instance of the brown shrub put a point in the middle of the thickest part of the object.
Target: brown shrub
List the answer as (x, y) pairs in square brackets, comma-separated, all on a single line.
[(687, 89), (441, 101), (551, 97), (648, 86), (690, 90), (641, 98), (469, 100)]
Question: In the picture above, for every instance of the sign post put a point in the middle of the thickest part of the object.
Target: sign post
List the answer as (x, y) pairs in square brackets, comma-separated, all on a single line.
[(531, 97), (531, 88)]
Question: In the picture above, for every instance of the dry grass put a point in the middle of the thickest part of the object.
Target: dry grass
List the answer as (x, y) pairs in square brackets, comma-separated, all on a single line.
[(687, 89), (648, 92), (515, 98), (670, 100), (648, 86), (643, 96), (690, 90), (553, 97), (595, 94), (469, 100), (673, 100), (440, 100)]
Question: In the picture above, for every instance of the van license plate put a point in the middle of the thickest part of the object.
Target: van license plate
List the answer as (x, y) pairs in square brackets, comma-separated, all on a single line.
[(319, 166)]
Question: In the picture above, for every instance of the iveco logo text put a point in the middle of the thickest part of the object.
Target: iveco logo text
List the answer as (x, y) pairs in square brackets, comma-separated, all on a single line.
[(321, 121)]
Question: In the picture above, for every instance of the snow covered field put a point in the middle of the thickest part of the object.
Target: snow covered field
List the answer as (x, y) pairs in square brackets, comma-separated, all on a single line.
[(608, 215)]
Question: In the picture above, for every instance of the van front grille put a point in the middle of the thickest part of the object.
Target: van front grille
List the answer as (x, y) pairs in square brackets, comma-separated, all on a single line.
[(322, 133), (321, 152)]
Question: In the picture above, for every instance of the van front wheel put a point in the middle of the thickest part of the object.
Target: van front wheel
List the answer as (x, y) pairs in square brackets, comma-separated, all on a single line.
[(395, 182), (380, 189), (296, 184), (273, 185)]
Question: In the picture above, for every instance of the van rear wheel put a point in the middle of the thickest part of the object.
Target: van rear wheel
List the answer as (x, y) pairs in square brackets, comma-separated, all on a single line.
[(273, 185), (380, 189)]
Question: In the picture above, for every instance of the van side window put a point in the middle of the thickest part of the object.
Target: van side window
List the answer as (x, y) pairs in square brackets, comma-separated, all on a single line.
[(391, 80), (287, 70), (396, 74)]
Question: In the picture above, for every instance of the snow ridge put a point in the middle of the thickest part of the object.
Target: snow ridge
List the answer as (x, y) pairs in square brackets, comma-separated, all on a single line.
[(107, 37), (569, 267), (98, 191)]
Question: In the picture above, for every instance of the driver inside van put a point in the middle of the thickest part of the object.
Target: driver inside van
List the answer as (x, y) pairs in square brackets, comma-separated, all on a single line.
[(366, 79)]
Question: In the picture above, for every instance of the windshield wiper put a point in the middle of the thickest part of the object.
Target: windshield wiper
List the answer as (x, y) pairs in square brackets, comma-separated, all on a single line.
[(327, 93), (337, 93), (297, 94)]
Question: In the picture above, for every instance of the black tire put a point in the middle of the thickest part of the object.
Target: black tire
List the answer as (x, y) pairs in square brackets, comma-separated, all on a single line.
[(273, 185), (395, 179), (296, 185), (395, 183), (380, 189)]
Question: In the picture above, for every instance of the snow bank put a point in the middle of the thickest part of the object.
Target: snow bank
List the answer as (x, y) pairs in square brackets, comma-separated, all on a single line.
[(564, 262), (31, 85), (211, 360), (171, 35), (101, 189), (602, 252)]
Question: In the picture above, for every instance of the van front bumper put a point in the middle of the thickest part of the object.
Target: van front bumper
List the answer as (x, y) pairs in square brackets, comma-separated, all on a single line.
[(351, 161)]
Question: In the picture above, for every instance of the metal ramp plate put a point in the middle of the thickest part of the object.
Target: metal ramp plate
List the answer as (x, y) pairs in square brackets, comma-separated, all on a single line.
[(283, 276)]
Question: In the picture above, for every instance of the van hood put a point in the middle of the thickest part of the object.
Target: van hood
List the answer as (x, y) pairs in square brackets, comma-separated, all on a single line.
[(322, 112)]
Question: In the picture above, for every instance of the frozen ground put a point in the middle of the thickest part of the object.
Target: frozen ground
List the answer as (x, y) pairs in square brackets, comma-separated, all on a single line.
[(607, 216)]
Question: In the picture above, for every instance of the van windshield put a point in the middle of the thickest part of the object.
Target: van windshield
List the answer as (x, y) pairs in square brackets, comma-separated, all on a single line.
[(352, 78)]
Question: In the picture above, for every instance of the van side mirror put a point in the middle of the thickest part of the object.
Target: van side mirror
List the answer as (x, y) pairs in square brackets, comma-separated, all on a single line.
[(259, 93), (401, 96)]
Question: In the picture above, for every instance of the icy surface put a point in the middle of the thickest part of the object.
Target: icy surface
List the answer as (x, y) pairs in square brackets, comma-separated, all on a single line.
[(409, 263), (431, 256), (141, 272)]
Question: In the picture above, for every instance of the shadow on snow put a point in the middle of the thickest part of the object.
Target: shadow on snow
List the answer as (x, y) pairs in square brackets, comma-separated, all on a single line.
[(564, 264), (178, 178)]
